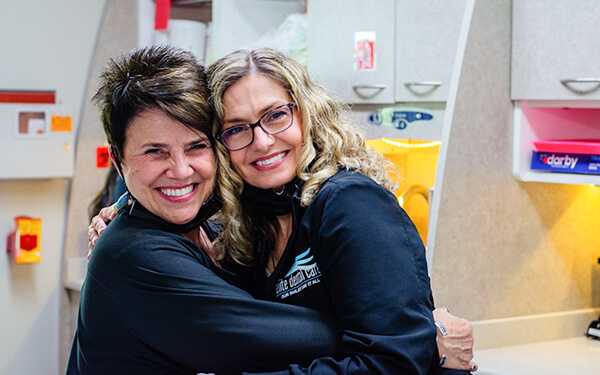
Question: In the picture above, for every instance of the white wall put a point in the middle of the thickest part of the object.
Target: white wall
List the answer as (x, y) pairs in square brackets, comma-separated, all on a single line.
[(44, 45)]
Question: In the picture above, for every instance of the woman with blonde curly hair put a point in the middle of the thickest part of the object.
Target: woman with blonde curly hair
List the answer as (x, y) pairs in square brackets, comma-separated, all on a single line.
[(331, 141), (310, 208)]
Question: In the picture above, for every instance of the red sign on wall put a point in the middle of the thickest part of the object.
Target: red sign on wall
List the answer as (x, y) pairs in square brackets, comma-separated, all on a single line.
[(102, 159)]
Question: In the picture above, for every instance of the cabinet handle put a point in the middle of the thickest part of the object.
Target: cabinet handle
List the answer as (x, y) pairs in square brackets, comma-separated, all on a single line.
[(377, 88), (568, 81), (380, 87), (577, 80), (424, 83)]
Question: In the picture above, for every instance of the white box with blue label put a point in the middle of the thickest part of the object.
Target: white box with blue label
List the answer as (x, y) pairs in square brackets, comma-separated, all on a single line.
[(565, 162)]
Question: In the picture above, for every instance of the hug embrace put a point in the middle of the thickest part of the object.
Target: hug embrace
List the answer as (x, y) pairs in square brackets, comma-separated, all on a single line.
[(258, 235)]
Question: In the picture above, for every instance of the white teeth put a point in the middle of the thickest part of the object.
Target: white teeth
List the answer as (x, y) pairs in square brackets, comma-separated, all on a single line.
[(272, 160), (177, 192)]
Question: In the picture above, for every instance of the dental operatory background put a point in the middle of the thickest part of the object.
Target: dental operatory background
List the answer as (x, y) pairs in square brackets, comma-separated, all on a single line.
[(459, 94)]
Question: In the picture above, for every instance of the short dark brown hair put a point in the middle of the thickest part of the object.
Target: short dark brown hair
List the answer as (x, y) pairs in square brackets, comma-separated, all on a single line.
[(163, 77)]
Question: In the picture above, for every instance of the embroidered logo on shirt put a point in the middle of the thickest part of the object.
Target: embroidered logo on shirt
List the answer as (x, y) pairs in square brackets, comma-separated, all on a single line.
[(304, 273)]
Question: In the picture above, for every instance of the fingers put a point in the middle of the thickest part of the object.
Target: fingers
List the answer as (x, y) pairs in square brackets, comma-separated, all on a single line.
[(100, 221), (204, 242), (465, 356), (93, 235), (92, 238), (440, 312), (106, 214), (474, 367), (455, 340), (453, 323), (471, 365), (459, 364), (97, 226)]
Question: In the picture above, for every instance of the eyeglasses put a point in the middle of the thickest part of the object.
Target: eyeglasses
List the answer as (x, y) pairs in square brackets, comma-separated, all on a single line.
[(273, 122)]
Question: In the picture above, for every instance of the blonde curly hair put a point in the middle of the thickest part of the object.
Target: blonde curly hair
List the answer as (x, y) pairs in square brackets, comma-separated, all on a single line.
[(330, 143)]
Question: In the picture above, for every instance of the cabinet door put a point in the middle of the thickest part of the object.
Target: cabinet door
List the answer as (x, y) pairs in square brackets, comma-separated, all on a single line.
[(427, 34), (340, 33), (241, 24), (554, 41)]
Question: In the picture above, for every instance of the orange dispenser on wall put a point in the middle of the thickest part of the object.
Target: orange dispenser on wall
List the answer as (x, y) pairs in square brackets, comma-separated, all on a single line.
[(25, 242)]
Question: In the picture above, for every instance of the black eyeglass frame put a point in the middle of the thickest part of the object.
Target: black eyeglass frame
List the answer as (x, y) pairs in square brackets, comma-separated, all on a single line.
[(257, 123)]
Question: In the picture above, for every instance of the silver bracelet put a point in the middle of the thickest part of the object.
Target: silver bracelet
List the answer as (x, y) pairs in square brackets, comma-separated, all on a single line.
[(441, 327)]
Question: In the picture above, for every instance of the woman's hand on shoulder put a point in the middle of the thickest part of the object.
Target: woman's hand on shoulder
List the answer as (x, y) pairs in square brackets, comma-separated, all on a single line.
[(206, 244), (98, 225)]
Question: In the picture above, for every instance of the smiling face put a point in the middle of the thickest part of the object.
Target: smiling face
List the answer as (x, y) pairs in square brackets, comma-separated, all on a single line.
[(270, 161), (168, 167)]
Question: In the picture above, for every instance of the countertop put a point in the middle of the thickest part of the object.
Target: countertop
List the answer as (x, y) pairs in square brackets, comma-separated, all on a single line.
[(579, 356)]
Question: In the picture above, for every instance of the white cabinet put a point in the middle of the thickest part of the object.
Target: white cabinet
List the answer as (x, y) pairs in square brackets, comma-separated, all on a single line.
[(555, 80), (427, 34), (240, 24), (555, 50), (344, 33), (414, 47), (38, 141), (552, 120)]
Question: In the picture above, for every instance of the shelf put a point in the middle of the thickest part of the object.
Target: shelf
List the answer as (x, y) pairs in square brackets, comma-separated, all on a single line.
[(550, 121), (560, 178)]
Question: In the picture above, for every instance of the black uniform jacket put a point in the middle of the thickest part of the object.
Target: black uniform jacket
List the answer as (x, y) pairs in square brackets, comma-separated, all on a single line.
[(355, 252), (154, 303)]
